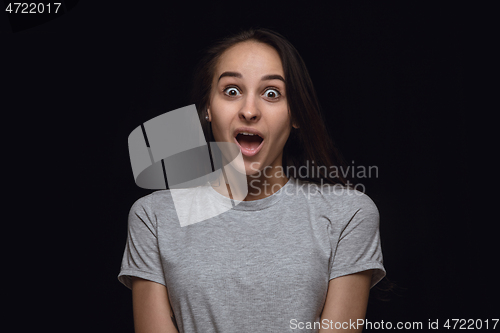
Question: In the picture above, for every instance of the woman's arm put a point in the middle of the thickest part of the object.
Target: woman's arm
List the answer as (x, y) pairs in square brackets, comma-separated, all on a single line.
[(152, 312), (347, 299)]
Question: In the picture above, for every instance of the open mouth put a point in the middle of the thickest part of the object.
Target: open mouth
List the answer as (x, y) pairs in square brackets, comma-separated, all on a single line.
[(249, 144)]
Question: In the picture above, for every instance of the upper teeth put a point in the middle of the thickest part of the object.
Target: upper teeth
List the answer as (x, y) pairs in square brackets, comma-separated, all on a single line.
[(245, 133)]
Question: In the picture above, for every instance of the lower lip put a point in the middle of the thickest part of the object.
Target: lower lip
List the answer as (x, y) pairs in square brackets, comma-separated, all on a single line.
[(249, 152)]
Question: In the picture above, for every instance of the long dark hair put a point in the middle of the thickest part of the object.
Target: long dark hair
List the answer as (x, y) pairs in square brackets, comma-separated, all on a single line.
[(311, 141), (310, 145)]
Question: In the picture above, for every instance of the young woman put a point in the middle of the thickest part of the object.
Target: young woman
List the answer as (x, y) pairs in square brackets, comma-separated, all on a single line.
[(299, 253)]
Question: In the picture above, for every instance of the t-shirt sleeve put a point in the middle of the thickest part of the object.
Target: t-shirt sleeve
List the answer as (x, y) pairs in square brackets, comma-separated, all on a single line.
[(359, 247), (141, 257)]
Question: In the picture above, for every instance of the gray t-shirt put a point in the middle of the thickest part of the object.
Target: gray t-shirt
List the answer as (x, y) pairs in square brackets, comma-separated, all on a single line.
[(262, 266)]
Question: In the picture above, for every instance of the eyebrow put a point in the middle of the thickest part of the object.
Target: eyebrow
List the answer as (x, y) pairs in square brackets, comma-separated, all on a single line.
[(272, 77), (264, 78)]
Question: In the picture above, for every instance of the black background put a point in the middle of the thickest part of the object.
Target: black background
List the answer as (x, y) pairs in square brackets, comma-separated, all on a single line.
[(389, 77)]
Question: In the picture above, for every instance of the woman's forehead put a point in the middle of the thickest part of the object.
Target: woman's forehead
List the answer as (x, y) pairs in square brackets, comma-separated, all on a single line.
[(250, 58)]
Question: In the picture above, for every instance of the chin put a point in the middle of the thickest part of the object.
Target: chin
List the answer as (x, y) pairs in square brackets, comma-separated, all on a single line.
[(246, 168), (253, 168)]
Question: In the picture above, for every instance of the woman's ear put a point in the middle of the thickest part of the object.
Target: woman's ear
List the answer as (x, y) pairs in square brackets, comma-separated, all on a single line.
[(208, 114)]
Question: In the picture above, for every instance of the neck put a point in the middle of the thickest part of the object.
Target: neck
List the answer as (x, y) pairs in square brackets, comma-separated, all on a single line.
[(262, 186), (259, 186)]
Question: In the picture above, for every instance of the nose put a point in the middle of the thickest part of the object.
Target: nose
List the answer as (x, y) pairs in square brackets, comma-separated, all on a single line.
[(249, 112)]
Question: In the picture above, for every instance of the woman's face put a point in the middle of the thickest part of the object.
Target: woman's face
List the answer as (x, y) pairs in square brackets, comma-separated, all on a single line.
[(249, 95)]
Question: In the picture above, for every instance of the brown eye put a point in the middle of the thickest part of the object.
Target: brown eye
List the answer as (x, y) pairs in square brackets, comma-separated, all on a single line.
[(272, 93), (231, 91)]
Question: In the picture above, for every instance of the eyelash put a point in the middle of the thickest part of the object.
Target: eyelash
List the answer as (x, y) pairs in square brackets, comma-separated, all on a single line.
[(267, 89)]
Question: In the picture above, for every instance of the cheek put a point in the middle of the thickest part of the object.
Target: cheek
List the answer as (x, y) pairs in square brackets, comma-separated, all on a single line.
[(220, 122), (284, 136), (279, 139), (283, 129), (217, 130)]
